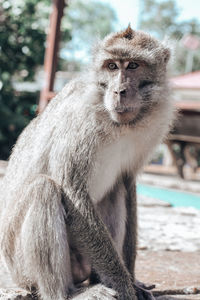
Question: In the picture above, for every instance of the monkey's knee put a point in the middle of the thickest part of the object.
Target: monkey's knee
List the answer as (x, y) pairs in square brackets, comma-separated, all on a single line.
[(44, 242), (44, 226), (41, 188)]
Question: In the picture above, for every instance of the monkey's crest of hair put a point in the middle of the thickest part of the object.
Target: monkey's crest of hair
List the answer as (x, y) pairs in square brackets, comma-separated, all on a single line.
[(127, 34), (131, 44)]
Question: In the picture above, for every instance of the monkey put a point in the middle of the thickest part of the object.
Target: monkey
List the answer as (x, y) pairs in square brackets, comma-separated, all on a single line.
[(69, 211)]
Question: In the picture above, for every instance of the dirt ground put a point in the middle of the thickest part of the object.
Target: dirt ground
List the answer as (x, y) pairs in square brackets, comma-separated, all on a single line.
[(172, 271), (176, 276), (169, 249)]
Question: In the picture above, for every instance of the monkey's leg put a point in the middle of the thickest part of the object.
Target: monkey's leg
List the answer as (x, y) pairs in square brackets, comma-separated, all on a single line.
[(89, 232), (42, 253), (42, 246), (44, 242)]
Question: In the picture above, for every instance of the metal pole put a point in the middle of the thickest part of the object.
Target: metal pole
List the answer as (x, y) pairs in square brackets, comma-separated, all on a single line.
[(50, 61)]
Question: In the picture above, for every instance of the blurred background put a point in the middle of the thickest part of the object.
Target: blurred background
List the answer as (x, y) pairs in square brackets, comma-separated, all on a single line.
[(25, 83)]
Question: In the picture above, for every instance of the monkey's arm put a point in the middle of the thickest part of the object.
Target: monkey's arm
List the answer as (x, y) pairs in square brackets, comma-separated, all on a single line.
[(130, 243), (89, 232)]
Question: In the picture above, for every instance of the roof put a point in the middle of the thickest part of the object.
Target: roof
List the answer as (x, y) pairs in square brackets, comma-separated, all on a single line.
[(187, 81)]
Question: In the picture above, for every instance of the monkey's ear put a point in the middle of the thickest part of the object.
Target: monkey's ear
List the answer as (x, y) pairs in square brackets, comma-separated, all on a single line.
[(166, 55)]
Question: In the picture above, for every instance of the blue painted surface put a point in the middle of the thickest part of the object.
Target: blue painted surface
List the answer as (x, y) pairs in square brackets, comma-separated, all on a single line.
[(174, 197)]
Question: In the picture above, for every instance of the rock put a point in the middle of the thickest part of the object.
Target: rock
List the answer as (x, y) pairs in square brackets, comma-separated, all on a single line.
[(15, 294)]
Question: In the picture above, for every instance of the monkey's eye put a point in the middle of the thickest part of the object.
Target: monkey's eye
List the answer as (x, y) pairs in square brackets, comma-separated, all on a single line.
[(132, 65), (112, 66)]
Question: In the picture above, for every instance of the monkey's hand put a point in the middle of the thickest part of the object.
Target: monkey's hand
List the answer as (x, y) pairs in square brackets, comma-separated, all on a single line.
[(143, 294), (97, 292)]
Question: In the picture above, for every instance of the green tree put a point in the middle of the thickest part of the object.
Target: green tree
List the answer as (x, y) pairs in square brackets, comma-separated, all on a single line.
[(22, 38), (89, 20), (23, 25), (159, 17)]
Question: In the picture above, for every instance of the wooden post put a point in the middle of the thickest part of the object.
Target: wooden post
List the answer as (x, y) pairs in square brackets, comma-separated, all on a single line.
[(50, 61)]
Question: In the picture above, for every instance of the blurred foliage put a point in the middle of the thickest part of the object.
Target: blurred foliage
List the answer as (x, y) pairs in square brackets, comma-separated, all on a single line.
[(23, 28), (15, 113), (89, 20), (161, 18), (22, 38)]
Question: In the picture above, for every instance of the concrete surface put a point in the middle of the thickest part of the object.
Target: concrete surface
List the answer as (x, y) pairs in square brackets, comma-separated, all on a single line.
[(170, 182), (162, 227), (173, 271)]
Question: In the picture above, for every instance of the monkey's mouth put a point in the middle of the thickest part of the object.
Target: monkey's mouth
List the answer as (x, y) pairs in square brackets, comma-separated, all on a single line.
[(125, 115), (125, 109)]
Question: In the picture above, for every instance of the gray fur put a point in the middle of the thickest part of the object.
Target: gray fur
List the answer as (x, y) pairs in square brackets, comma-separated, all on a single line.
[(68, 197)]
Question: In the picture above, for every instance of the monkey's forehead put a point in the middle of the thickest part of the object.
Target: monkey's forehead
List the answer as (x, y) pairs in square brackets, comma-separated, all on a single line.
[(138, 38), (118, 52), (138, 46)]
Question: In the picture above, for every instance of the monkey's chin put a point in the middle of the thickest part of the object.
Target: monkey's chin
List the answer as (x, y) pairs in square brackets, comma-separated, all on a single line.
[(123, 118)]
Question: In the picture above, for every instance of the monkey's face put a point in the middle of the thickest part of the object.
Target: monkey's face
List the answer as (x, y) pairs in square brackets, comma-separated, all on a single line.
[(128, 90), (131, 67)]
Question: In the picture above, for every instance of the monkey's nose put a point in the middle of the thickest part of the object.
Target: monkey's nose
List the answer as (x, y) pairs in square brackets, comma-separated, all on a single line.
[(121, 92)]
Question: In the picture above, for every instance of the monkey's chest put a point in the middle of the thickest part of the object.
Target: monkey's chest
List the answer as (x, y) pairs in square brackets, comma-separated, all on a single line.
[(110, 162)]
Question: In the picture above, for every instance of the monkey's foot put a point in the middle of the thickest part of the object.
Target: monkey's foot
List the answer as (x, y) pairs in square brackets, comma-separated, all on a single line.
[(143, 294), (97, 292)]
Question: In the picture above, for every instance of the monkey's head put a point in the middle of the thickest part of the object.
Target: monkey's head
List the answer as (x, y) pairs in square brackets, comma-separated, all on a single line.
[(130, 67)]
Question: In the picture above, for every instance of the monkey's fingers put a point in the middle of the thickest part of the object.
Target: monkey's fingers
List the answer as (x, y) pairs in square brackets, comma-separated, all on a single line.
[(149, 286), (145, 286), (143, 294)]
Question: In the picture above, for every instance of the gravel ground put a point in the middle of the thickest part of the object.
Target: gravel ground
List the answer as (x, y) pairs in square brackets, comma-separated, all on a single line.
[(169, 248), (162, 227)]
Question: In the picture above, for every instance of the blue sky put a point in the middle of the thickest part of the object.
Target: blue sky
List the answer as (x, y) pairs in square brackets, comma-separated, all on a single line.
[(127, 10)]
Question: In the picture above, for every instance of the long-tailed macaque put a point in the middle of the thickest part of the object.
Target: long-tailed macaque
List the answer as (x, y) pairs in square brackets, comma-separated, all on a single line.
[(69, 202)]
